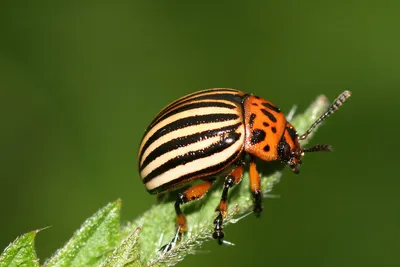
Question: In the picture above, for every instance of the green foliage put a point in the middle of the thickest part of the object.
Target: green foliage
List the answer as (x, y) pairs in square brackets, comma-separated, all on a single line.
[(21, 252), (102, 242), (127, 253), (93, 241)]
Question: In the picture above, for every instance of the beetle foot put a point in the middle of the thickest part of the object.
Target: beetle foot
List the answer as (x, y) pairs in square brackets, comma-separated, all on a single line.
[(169, 246), (257, 195), (218, 232), (219, 236), (258, 209)]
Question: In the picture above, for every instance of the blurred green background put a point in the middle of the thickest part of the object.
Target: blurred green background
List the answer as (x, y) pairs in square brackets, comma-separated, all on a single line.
[(79, 82)]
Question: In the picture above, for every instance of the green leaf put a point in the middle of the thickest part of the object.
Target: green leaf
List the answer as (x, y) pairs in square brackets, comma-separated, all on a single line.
[(21, 252), (127, 253), (158, 223), (96, 238)]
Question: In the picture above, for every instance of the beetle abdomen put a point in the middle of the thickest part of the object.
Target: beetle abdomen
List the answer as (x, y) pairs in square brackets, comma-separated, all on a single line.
[(195, 136)]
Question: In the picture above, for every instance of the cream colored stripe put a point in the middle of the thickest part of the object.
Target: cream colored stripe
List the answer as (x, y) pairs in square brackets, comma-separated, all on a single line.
[(185, 132), (196, 165), (188, 113), (180, 151), (187, 98), (216, 91), (190, 101)]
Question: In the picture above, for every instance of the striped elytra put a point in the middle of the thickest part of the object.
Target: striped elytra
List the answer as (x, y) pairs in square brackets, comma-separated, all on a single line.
[(195, 136), (208, 133)]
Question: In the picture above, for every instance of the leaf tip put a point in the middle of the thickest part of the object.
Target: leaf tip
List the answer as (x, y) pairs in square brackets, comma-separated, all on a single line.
[(42, 229), (118, 202)]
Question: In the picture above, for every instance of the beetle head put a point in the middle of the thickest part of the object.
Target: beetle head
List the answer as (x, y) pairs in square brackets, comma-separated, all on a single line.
[(289, 150)]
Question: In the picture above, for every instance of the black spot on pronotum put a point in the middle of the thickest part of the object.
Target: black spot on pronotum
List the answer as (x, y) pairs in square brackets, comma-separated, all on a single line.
[(269, 115), (273, 129), (254, 104), (266, 148), (271, 107), (251, 120), (266, 124), (292, 133), (257, 136)]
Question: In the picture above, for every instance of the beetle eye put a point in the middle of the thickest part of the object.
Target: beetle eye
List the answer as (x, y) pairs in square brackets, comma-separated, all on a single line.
[(284, 151)]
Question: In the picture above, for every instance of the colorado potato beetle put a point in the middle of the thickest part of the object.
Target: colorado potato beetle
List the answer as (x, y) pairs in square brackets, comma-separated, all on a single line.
[(209, 133)]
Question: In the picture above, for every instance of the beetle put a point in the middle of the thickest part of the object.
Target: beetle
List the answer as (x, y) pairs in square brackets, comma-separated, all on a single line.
[(210, 132)]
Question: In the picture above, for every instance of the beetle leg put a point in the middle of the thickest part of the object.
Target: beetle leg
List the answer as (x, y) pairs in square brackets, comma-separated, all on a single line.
[(255, 188), (190, 194), (233, 179)]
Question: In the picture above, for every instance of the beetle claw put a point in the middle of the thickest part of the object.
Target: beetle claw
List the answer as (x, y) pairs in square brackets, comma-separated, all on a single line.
[(169, 246), (166, 247)]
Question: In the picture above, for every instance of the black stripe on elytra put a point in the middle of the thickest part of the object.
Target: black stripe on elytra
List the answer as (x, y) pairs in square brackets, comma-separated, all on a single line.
[(235, 98), (206, 172), (191, 97), (185, 122), (257, 136), (185, 141), (193, 105), (268, 114), (192, 156), (271, 107), (251, 120)]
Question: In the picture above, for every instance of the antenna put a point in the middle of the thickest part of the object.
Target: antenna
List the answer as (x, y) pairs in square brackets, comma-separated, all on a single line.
[(318, 148), (335, 106)]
